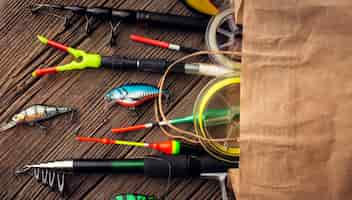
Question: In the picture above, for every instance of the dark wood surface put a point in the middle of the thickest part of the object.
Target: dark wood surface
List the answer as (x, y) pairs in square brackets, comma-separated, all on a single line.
[(21, 53)]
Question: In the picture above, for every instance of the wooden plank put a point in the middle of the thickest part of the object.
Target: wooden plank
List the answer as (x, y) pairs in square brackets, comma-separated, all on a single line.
[(84, 90)]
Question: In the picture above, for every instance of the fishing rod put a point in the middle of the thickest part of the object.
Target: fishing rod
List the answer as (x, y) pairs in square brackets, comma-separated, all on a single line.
[(116, 16), (170, 147), (213, 117), (86, 60), (52, 173)]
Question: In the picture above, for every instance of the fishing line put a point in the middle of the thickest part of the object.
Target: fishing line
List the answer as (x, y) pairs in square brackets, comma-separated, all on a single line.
[(203, 101), (190, 136)]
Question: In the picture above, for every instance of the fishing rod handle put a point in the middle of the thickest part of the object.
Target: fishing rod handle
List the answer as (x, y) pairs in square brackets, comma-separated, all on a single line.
[(147, 65), (191, 149), (183, 166), (108, 166), (173, 21)]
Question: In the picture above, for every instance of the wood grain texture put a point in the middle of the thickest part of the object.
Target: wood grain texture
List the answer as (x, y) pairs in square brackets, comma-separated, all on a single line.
[(21, 53)]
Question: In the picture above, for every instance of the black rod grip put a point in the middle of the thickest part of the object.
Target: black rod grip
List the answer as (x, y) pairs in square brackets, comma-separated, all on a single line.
[(191, 149), (173, 21), (108, 166), (147, 65), (182, 166)]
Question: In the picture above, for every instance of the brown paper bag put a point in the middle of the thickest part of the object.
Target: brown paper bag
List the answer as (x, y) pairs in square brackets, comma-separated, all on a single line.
[(296, 100)]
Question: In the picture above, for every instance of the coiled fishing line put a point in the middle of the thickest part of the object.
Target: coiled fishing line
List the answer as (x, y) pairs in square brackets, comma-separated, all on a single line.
[(221, 144), (219, 93)]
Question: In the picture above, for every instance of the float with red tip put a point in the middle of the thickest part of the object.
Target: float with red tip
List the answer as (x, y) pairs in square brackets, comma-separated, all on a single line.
[(170, 147)]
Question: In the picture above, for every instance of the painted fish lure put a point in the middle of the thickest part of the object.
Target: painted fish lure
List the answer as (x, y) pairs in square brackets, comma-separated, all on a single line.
[(35, 114), (132, 95)]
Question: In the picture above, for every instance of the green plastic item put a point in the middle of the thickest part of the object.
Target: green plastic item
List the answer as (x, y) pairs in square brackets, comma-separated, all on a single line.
[(129, 196)]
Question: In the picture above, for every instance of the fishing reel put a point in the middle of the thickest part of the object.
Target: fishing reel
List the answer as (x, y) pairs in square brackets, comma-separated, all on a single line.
[(223, 34), (223, 92)]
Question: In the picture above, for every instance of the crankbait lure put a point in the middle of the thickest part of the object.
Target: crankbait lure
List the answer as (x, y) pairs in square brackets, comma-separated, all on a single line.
[(90, 60), (134, 94), (129, 196), (35, 114), (116, 16)]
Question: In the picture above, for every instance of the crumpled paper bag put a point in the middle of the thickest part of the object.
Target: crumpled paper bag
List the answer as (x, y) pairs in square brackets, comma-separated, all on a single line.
[(296, 100)]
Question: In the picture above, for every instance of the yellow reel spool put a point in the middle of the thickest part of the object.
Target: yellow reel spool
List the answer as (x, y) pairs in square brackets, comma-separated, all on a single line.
[(219, 93)]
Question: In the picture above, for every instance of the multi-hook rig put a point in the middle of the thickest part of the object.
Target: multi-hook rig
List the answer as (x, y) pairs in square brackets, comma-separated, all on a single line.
[(55, 179), (116, 16)]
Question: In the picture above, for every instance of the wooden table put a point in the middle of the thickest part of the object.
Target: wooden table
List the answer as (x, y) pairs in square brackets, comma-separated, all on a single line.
[(21, 53)]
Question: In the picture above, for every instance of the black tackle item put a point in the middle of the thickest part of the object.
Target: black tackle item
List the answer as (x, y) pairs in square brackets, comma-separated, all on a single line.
[(172, 21), (53, 173), (108, 166), (146, 65), (183, 166), (116, 16), (191, 149)]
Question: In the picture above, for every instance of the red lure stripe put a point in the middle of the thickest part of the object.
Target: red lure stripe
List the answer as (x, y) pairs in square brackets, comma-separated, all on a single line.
[(44, 71), (127, 129), (58, 45), (149, 41), (139, 102)]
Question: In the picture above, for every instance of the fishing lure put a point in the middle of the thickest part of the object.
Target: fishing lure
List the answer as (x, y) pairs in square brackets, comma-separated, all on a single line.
[(35, 114), (134, 94), (116, 16), (130, 196)]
